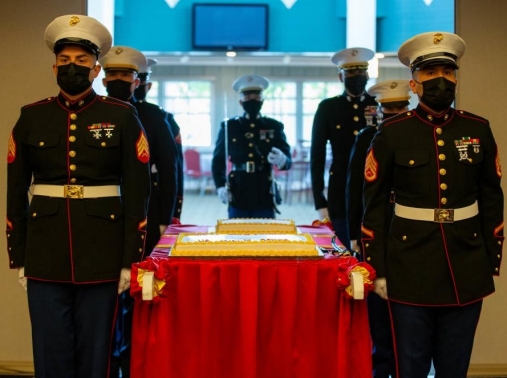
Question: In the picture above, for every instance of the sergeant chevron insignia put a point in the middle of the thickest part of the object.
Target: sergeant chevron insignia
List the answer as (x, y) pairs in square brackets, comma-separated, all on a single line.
[(370, 167), (142, 148), (11, 153)]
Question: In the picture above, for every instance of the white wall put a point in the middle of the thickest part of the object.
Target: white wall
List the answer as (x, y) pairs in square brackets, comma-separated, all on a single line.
[(27, 76), (481, 87)]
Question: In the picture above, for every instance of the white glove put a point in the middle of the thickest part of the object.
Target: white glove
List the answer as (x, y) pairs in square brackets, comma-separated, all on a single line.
[(354, 246), (223, 194), (124, 282), (380, 287), (277, 157), (21, 277), (323, 213)]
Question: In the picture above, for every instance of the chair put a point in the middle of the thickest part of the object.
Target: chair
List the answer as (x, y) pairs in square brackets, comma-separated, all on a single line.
[(299, 181), (298, 176), (281, 178), (193, 170)]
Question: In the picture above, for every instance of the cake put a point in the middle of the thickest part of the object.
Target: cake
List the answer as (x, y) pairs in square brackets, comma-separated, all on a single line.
[(255, 225), (245, 245)]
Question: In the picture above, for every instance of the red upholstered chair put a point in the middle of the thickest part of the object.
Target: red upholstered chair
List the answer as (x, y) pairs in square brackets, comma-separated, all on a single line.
[(193, 170), (298, 176)]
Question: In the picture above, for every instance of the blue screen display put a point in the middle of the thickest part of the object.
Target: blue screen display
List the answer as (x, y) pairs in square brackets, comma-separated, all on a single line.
[(230, 27)]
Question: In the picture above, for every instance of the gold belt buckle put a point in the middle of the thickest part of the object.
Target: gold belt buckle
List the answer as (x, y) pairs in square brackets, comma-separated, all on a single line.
[(73, 191), (443, 215), (250, 166)]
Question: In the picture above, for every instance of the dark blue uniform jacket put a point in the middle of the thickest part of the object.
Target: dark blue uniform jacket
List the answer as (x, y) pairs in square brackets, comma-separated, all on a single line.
[(431, 161), (93, 141)]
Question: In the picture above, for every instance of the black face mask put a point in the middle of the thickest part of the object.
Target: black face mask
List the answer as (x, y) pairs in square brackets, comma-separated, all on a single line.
[(140, 92), (119, 89), (355, 85), (252, 107), (438, 93), (73, 79)]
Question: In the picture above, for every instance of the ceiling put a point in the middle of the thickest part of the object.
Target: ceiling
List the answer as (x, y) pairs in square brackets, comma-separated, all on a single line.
[(255, 58)]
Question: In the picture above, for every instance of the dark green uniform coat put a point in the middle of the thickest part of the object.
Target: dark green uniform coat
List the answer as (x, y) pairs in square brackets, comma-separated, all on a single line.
[(93, 141), (448, 162)]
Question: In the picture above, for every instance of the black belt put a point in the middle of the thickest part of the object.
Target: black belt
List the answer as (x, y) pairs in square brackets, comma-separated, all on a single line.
[(250, 167)]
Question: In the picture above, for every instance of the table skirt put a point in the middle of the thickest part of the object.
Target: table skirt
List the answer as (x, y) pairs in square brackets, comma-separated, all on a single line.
[(249, 318)]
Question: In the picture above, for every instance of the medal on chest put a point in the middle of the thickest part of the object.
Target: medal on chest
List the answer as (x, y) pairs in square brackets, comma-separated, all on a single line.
[(265, 134), (101, 130), (466, 146)]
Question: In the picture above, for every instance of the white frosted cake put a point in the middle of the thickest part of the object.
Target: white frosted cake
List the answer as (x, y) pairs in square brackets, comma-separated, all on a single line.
[(255, 225), (247, 245)]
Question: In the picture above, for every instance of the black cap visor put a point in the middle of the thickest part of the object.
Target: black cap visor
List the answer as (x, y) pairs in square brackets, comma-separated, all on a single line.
[(143, 76), (251, 92), (88, 45), (438, 59), (395, 104)]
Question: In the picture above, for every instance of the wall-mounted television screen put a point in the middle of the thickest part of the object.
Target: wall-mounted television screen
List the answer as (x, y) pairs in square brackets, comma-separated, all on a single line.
[(230, 27)]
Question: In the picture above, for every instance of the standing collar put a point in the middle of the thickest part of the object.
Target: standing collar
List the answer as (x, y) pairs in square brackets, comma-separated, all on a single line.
[(75, 105), (247, 116), (351, 98), (435, 119)]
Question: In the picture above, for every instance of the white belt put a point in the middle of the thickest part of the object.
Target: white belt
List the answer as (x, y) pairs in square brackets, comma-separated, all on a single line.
[(76, 191), (436, 215)]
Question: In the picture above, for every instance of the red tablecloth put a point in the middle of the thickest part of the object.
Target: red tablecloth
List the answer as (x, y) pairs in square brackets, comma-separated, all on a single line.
[(248, 318)]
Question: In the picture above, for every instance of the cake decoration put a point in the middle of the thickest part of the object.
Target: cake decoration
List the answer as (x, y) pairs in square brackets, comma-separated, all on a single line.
[(256, 225), (247, 245)]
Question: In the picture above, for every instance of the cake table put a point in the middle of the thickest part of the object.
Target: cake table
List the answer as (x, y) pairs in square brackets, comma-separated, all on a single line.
[(248, 318)]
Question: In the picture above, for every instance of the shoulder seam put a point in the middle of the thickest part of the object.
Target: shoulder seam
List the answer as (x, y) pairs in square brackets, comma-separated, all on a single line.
[(465, 114), (113, 101), (40, 102), (407, 114)]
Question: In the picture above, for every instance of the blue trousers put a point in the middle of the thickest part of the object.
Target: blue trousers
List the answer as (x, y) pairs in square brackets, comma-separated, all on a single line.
[(261, 213), (444, 334), (340, 230), (72, 327), (122, 344), (383, 361)]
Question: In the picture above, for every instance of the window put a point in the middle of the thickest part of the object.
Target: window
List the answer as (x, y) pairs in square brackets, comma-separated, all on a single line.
[(152, 95), (280, 103), (293, 103), (190, 103), (313, 94)]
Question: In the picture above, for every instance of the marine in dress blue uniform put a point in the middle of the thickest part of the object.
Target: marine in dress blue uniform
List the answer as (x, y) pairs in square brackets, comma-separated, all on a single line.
[(122, 65), (254, 143), (85, 225), (338, 121), (436, 257), (140, 94), (393, 97)]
